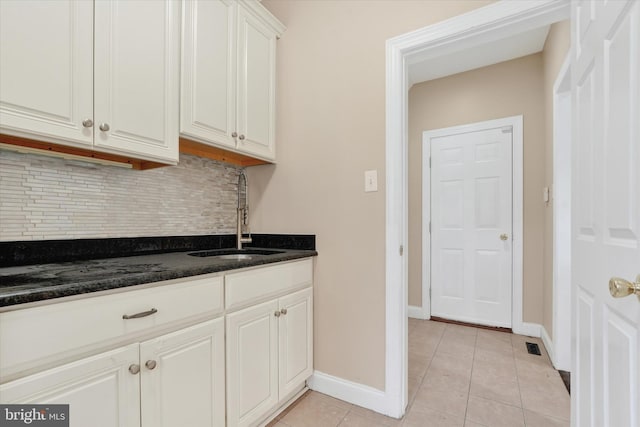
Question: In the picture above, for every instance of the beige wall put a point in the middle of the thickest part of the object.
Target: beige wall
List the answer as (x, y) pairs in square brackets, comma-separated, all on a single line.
[(555, 51), (331, 128), (506, 89)]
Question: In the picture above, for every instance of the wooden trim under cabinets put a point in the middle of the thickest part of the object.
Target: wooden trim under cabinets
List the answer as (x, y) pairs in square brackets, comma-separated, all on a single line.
[(197, 149), (186, 147), (63, 150)]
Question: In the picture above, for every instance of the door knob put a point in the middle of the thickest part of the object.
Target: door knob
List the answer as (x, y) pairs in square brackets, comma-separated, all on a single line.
[(134, 369), (277, 313), (621, 288), (504, 236), (283, 311), (151, 364), (104, 127), (87, 123)]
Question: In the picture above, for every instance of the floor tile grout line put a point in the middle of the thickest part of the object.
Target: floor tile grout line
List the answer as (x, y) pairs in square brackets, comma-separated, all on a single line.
[(410, 405), (345, 416), (515, 363), (466, 408)]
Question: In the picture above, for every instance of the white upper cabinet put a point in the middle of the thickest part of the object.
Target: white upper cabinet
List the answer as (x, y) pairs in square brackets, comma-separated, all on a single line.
[(208, 110), (101, 75), (136, 72), (46, 69), (228, 76)]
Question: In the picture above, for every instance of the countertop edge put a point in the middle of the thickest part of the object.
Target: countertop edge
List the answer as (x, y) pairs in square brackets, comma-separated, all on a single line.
[(60, 293)]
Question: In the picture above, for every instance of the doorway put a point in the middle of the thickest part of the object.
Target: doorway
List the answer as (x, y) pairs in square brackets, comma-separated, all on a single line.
[(472, 222), (498, 21)]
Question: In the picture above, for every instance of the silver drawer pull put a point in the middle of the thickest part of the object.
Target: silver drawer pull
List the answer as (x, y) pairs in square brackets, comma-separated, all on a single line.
[(139, 315)]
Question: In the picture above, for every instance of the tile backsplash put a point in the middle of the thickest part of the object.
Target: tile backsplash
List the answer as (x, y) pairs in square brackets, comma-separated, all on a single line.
[(45, 197)]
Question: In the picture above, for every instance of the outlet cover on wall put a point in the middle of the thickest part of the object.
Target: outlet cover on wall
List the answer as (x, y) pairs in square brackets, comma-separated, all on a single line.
[(370, 181)]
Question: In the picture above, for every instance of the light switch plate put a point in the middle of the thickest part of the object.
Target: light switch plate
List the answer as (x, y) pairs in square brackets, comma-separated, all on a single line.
[(370, 181)]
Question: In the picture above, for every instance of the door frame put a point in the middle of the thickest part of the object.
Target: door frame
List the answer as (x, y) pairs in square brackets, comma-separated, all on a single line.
[(498, 20), (517, 179), (559, 347)]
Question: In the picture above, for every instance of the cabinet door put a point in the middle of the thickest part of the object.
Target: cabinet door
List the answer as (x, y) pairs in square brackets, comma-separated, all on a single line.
[(208, 78), (46, 69), (137, 77), (252, 365), (182, 377), (256, 85), (295, 341), (100, 389)]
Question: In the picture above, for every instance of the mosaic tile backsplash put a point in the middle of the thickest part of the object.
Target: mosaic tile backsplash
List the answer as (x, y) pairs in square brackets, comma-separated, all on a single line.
[(45, 197)]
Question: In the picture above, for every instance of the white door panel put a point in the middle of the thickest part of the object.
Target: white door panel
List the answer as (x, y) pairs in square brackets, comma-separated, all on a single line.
[(295, 349), (99, 390), (471, 203), (256, 86), (252, 363), (186, 385), (606, 211), (46, 74), (137, 76), (209, 71)]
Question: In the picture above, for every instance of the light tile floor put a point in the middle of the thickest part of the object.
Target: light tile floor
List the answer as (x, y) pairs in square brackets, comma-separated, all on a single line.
[(459, 376)]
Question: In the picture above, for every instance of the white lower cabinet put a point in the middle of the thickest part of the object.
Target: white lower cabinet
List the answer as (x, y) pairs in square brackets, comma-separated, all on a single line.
[(182, 377), (112, 359), (269, 356), (295, 341), (175, 379), (100, 390)]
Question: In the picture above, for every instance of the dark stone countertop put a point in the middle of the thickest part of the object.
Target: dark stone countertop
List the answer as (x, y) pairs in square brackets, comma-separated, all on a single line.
[(32, 283)]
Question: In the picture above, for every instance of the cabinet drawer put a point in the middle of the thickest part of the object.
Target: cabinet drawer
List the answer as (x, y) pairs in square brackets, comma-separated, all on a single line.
[(248, 287), (36, 336)]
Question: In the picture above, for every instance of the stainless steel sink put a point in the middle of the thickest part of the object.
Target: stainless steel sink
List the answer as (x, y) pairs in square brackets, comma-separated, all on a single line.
[(237, 254), (237, 257)]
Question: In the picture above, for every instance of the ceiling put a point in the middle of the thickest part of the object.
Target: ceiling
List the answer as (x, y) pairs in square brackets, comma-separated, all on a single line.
[(505, 49)]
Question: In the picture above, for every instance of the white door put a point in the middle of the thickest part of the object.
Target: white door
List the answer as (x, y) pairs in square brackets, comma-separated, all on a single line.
[(256, 85), (296, 341), (208, 77), (252, 363), (182, 377), (605, 212), (100, 390), (471, 226), (137, 77), (46, 69)]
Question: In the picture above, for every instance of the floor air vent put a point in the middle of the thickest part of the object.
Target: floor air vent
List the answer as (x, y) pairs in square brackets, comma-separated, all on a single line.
[(533, 348)]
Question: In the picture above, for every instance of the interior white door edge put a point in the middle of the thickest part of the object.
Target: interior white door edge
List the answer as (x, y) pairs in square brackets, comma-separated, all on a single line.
[(516, 124), (561, 196)]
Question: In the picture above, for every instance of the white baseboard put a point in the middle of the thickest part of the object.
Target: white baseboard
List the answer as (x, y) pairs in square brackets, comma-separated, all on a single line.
[(528, 329), (416, 312), (357, 394), (548, 345)]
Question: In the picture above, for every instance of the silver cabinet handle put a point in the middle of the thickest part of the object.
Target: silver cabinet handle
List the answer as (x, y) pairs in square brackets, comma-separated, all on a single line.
[(504, 236), (277, 313), (283, 311), (134, 369), (104, 127), (139, 315), (234, 135), (150, 364), (241, 137), (87, 123)]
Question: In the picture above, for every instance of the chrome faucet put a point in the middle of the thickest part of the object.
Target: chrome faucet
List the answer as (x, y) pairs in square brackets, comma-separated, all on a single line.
[(243, 210)]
